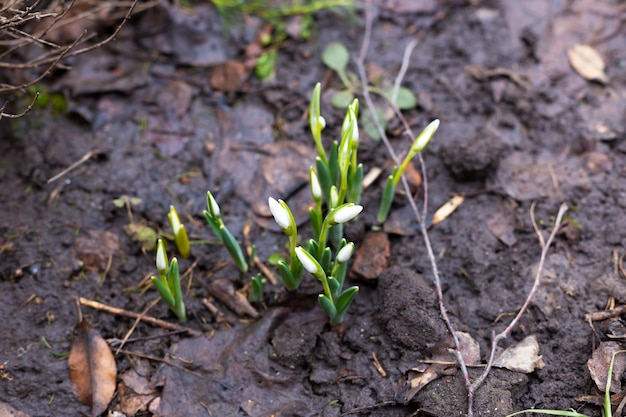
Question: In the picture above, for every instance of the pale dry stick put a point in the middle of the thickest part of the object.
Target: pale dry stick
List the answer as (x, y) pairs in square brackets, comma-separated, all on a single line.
[(82, 160), (470, 386), (131, 314), (24, 113), (545, 245), (420, 218)]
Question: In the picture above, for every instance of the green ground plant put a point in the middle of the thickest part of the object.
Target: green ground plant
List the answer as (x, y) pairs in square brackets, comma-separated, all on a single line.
[(337, 57)]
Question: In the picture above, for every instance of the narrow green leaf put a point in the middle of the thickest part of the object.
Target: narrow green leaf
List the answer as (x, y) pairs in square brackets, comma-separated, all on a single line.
[(333, 162), (234, 249), (336, 57), (327, 306), (324, 176), (346, 298), (286, 276), (325, 260), (386, 200), (257, 289), (316, 221), (335, 287), (355, 185), (164, 292), (215, 227)]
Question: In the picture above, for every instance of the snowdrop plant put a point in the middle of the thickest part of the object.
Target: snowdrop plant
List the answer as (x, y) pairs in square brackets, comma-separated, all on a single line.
[(168, 282), (214, 218), (392, 181), (335, 183)]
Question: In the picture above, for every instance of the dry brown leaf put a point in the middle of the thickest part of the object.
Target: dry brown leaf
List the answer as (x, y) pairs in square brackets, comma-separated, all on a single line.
[(92, 369), (522, 357), (587, 62), (447, 209), (600, 362)]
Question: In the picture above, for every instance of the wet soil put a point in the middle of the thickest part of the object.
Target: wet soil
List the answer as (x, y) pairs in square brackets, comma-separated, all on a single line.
[(519, 125)]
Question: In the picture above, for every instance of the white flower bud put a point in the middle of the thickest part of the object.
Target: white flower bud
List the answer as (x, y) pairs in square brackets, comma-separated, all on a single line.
[(307, 260), (316, 189), (321, 121), (281, 215), (345, 253), (423, 138), (161, 257), (346, 213)]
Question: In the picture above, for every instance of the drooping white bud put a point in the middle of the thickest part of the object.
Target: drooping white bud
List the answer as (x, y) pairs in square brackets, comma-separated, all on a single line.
[(345, 213), (316, 189), (281, 215), (307, 260), (345, 253)]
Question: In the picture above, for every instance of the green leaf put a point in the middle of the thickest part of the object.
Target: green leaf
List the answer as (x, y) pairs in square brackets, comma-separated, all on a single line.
[(265, 65), (405, 100), (286, 276), (275, 258), (335, 287), (234, 249), (164, 292), (324, 176), (214, 224), (367, 121), (327, 306), (386, 200), (346, 298), (355, 185), (342, 99), (257, 289), (336, 57)]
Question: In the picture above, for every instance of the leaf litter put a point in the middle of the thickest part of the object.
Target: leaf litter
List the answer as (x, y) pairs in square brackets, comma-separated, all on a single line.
[(92, 369)]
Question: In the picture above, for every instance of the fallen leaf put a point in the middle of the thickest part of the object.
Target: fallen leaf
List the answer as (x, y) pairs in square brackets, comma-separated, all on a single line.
[(447, 209), (599, 366), (502, 227), (92, 369), (522, 357), (228, 76), (587, 62), (372, 257), (95, 249)]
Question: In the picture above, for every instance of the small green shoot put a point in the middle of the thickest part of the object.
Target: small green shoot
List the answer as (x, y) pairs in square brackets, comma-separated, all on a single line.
[(168, 282), (180, 233), (257, 282), (214, 219), (392, 181)]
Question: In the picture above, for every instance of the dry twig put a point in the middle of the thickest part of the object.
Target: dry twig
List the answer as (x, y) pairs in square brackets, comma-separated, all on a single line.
[(471, 386)]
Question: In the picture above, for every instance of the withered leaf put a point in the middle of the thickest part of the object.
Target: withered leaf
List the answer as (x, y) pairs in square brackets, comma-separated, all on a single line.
[(92, 369), (587, 62)]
